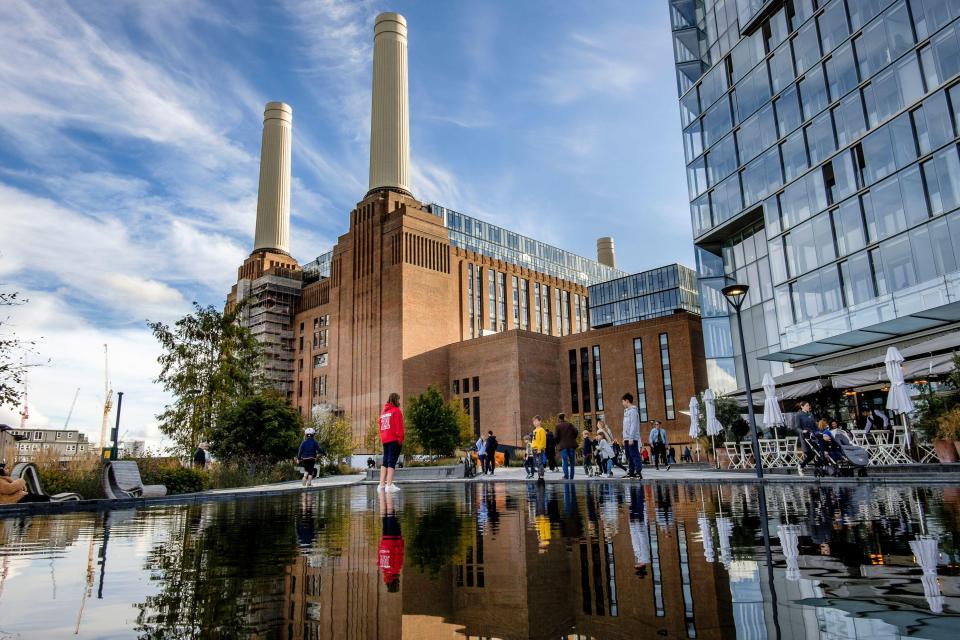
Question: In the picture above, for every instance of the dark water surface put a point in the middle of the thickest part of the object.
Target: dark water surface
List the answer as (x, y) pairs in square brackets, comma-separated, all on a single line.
[(502, 561)]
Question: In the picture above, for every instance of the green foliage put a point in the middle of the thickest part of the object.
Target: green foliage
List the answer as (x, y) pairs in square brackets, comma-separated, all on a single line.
[(464, 425), (12, 349), (209, 362), (437, 537), (932, 403), (371, 439), (739, 428), (335, 435), (433, 422), (82, 478), (229, 475), (261, 429), (171, 474)]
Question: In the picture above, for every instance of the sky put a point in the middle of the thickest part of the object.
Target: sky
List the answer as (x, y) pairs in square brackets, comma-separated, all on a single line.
[(130, 141)]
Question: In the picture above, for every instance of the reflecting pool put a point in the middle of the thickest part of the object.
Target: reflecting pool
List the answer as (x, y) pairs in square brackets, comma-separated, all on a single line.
[(604, 560)]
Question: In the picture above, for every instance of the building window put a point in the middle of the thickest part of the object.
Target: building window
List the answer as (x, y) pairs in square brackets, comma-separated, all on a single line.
[(466, 385), (585, 378), (476, 384), (38, 435), (583, 313), (492, 298), (502, 300), (545, 303), (667, 379), (597, 382), (300, 388), (641, 386), (479, 300), (470, 300), (301, 327), (320, 360), (524, 305), (576, 311), (536, 306), (476, 415), (456, 387), (322, 391), (316, 323), (59, 435), (559, 313), (301, 343), (574, 396), (516, 302), (301, 364)]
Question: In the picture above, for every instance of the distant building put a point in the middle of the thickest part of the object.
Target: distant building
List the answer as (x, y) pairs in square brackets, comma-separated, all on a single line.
[(66, 444), (132, 449)]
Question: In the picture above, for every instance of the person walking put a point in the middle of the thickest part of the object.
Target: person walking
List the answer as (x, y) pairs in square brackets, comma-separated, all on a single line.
[(631, 436), (200, 456), (566, 437), (539, 446), (658, 444), (617, 453), (528, 463), (605, 453), (551, 451), (307, 456), (481, 445), (588, 446), (490, 447), (807, 426), (391, 435)]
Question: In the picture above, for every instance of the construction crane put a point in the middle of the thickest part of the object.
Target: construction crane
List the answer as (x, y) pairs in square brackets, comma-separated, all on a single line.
[(108, 400), (66, 423)]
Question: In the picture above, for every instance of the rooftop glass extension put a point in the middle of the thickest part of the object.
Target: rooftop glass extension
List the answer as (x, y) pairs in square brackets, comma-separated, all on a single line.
[(640, 296)]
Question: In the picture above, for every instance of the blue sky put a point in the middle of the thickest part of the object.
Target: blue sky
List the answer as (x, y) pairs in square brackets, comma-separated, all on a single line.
[(130, 133)]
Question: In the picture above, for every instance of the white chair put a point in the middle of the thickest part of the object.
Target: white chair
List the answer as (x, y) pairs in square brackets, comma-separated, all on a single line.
[(733, 453)]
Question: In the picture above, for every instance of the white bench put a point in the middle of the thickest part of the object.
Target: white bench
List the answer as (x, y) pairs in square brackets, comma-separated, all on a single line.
[(121, 479)]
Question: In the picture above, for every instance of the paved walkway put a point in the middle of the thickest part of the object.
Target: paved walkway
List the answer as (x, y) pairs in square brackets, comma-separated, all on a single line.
[(699, 473), (292, 486)]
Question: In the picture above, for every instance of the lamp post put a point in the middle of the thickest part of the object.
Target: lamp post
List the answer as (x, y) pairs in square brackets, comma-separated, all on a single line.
[(735, 295)]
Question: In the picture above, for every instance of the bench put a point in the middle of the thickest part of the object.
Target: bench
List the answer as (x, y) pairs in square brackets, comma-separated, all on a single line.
[(27, 471), (121, 479)]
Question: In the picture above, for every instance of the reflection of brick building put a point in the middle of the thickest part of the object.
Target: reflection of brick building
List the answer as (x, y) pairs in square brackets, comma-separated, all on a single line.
[(415, 294)]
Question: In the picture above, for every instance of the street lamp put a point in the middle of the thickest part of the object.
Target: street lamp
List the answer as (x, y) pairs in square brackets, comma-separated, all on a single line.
[(735, 295)]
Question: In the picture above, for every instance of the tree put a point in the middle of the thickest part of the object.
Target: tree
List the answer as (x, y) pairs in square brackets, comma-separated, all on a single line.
[(12, 348), (335, 435), (464, 424), (209, 361), (260, 429), (434, 423)]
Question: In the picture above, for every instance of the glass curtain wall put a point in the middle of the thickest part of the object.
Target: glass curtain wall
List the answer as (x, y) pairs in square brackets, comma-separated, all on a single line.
[(822, 163)]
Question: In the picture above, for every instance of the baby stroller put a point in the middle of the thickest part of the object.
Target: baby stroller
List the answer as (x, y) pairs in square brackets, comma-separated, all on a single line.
[(837, 457)]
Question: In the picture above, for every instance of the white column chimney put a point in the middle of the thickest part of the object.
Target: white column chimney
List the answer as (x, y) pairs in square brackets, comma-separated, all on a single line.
[(390, 114), (605, 253), (273, 197)]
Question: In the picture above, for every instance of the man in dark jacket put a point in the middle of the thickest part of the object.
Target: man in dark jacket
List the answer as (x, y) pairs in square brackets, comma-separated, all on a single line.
[(807, 426), (566, 435), (490, 462), (200, 456)]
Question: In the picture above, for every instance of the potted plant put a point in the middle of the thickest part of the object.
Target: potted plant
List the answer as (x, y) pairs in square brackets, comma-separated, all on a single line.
[(947, 442)]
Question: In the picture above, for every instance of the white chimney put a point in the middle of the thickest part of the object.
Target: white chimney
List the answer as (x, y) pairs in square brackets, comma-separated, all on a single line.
[(273, 197), (390, 114)]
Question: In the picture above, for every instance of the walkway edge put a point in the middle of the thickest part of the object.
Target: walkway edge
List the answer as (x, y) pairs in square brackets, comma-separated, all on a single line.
[(214, 495)]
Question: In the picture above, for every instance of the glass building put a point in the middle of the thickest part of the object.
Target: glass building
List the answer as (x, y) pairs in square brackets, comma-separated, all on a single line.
[(644, 295), (490, 240), (822, 165)]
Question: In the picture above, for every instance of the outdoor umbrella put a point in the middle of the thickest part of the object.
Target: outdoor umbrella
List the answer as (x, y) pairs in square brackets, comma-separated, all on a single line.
[(707, 535), (789, 535), (724, 533), (898, 400), (926, 551), (772, 417), (695, 423), (713, 425)]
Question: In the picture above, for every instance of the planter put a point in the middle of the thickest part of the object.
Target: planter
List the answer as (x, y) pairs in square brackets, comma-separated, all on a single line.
[(723, 458), (947, 450)]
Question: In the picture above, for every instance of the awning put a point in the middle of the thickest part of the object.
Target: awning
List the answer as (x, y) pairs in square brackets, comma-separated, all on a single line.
[(913, 369), (796, 384)]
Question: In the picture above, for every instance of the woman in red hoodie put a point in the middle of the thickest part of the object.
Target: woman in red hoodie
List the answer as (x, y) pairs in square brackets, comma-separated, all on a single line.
[(391, 435)]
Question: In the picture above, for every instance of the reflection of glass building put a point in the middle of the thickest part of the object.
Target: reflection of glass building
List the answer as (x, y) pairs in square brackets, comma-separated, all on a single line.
[(821, 148), (490, 240), (641, 296)]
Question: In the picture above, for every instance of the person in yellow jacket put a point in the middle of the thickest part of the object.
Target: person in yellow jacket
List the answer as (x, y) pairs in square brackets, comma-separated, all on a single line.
[(539, 446)]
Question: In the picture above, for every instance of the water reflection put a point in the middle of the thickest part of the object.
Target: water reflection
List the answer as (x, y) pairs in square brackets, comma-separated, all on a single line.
[(604, 560)]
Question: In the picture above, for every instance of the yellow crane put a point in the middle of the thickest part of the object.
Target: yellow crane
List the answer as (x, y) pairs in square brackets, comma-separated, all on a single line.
[(108, 400)]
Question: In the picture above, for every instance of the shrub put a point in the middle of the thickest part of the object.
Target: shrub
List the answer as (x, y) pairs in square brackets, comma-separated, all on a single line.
[(263, 428), (335, 435), (81, 475), (434, 423), (170, 473), (949, 425)]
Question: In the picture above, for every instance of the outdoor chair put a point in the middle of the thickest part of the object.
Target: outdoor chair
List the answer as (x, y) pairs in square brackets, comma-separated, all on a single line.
[(27, 471), (736, 458), (121, 479)]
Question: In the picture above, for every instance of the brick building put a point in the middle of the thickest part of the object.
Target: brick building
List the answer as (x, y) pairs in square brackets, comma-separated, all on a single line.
[(415, 294)]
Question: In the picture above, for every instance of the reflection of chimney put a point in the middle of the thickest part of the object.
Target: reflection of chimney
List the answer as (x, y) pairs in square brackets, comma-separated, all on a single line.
[(390, 114), (273, 198), (605, 252)]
